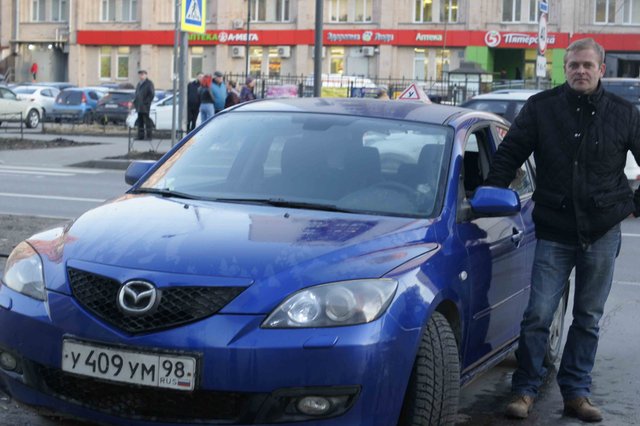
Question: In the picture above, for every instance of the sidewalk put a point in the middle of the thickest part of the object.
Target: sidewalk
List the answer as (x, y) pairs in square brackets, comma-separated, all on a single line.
[(79, 156)]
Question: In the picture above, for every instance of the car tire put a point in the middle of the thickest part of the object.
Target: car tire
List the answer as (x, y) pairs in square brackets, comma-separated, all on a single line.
[(33, 119), (434, 387), (556, 330)]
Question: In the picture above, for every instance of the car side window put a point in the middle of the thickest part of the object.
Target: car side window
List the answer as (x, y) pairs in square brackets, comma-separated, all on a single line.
[(476, 160), (94, 96), (6, 94), (47, 93)]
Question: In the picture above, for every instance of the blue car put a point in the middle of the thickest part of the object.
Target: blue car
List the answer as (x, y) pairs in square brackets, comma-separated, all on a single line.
[(75, 104), (299, 261)]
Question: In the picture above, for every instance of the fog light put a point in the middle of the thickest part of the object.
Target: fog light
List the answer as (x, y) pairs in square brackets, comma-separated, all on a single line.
[(314, 405), (8, 361)]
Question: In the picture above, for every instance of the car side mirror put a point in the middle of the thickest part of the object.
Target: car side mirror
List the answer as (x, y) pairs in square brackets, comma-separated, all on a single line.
[(494, 201), (136, 170)]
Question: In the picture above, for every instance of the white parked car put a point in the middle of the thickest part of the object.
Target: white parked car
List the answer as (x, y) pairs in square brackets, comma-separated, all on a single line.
[(43, 96), (160, 114), (14, 109), (506, 103)]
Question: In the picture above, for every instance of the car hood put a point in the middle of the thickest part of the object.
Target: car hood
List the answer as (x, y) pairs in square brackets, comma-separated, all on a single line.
[(260, 247)]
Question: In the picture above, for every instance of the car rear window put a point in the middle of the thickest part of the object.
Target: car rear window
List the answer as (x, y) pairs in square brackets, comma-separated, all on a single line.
[(69, 97), (117, 97)]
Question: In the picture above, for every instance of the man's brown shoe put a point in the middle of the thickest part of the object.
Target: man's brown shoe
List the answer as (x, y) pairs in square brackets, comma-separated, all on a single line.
[(519, 406), (582, 408)]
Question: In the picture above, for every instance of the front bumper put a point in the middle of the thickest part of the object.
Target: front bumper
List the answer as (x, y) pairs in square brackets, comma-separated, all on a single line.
[(247, 375)]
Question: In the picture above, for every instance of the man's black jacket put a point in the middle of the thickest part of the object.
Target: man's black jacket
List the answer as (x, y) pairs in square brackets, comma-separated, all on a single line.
[(580, 145)]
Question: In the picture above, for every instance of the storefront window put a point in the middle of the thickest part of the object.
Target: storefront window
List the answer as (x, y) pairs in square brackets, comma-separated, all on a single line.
[(420, 64), (105, 63), (255, 61), (123, 62), (275, 63), (631, 12), (337, 60), (443, 59), (605, 12), (530, 56), (197, 59)]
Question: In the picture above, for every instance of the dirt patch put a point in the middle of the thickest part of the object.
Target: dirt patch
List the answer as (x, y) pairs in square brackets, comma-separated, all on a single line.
[(17, 143)]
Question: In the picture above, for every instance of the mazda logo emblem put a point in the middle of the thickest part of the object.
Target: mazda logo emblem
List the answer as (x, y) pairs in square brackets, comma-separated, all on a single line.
[(137, 297)]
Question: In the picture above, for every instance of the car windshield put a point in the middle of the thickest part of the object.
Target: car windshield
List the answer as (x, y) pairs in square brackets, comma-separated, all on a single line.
[(70, 97), (317, 161)]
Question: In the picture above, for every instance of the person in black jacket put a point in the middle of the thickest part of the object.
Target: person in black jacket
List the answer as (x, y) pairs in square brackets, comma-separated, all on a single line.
[(145, 92), (193, 102), (579, 135)]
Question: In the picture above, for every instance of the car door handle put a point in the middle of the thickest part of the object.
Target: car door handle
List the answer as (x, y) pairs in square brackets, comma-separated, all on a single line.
[(517, 236)]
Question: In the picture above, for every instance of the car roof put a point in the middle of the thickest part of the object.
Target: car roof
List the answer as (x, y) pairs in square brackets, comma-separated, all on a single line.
[(506, 94), (367, 107)]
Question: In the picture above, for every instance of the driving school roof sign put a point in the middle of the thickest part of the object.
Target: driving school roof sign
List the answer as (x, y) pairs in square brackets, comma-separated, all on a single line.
[(193, 16)]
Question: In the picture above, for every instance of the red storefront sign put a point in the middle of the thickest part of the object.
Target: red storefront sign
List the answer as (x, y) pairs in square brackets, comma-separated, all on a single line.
[(332, 37)]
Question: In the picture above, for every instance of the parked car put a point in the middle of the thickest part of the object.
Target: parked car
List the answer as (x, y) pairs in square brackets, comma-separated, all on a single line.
[(270, 270), (627, 88), (160, 113), (60, 85), (114, 107), (75, 104), (506, 102), (14, 109), (42, 96)]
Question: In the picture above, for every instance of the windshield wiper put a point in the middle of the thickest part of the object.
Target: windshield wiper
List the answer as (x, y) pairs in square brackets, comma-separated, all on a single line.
[(280, 202), (165, 193)]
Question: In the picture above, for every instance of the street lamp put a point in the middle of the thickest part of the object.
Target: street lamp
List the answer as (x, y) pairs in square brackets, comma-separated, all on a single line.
[(246, 64)]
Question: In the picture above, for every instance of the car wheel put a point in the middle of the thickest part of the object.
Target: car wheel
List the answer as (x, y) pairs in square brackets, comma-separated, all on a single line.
[(556, 330), (432, 394), (33, 119)]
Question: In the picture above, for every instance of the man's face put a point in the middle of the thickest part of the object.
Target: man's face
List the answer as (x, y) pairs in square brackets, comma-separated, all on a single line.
[(218, 80), (583, 70), (142, 75)]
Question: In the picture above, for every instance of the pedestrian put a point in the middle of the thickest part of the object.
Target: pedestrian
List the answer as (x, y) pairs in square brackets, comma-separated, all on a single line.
[(219, 91), (246, 94), (193, 102), (34, 70), (579, 135), (206, 98), (145, 92), (233, 96)]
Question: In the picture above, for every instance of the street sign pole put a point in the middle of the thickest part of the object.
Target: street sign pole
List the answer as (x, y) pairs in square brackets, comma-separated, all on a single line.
[(541, 60), (174, 76)]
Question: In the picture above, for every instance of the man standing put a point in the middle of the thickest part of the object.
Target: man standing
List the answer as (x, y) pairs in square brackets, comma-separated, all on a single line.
[(579, 135), (145, 91), (219, 90), (193, 102), (246, 94)]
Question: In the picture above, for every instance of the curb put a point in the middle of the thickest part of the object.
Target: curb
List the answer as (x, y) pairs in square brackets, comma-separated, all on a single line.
[(104, 164)]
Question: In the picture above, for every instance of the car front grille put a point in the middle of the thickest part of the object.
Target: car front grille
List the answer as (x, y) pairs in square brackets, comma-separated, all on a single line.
[(147, 403), (178, 305)]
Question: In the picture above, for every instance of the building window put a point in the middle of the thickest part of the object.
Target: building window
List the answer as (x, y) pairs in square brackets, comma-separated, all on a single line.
[(258, 10), (37, 11), (108, 10), (60, 10), (631, 12), (105, 63), (420, 65), (282, 10), (363, 10), (520, 10), (208, 10), (336, 55), (129, 10), (275, 63), (605, 11), (436, 11), (255, 61), (269, 10), (338, 11), (123, 62), (197, 60)]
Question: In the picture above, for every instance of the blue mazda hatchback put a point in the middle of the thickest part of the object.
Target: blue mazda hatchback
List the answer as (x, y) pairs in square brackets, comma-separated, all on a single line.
[(300, 262)]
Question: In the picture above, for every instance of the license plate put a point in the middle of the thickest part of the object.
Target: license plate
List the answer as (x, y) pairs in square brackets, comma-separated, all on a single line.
[(128, 366), (111, 106)]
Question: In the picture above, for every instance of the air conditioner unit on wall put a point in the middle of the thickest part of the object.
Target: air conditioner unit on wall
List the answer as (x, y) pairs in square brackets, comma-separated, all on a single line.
[(236, 24), (284, 51), (313, 51), (237, 51), (368, 50)]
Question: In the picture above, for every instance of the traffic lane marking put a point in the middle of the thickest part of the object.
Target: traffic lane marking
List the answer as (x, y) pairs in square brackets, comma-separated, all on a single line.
[(54, 169), (53, 197)]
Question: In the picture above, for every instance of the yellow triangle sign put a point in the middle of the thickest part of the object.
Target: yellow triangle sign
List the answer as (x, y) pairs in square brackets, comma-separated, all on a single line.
[(414, 93)]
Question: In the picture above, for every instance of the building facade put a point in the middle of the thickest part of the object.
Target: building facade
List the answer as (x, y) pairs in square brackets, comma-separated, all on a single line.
[(90, 42)]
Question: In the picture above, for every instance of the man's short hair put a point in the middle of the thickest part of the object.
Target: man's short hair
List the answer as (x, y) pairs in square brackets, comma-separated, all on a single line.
[(218, 74), (585, 44), (142, 72)]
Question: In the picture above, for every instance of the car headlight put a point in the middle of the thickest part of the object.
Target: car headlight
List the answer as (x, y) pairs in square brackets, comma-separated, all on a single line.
[(335, 304), (23, 272)]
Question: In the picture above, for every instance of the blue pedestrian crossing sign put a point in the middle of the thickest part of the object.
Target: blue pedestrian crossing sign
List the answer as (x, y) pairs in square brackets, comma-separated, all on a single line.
[(193, 16)]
